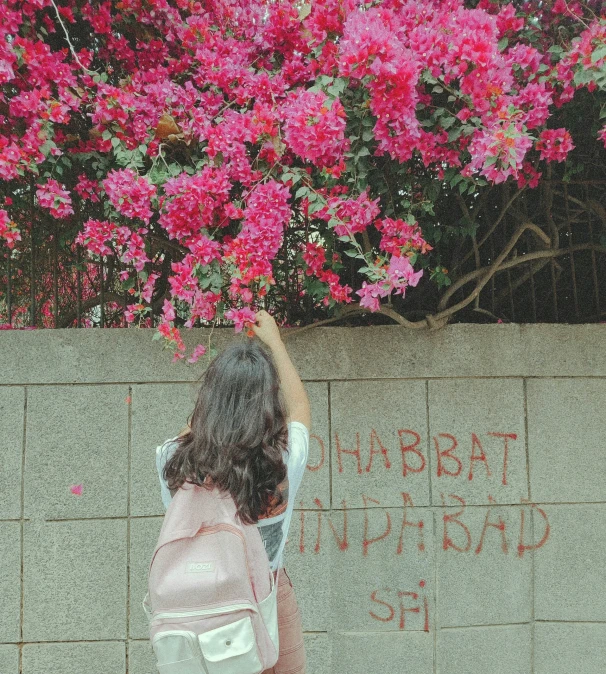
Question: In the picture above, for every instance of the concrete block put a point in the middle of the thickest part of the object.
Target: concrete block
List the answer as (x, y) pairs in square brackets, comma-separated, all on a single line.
[(141, 658), (562, 648), (342, 575), (478, 650), (395, 652), (570, 575), (76, 435), (376, 585), (75, 580), (376, 420), (566, 430), (307, 557), (159, 412), (88, 356), (321, 354), (10, 581), (12, 405), (464, 416), (144, 534), (9, 659), (481, 580), (93, 658), (316, 480), (459, 350), (318, 653)]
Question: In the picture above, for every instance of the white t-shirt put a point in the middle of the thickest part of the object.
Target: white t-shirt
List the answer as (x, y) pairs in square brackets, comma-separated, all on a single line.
[(274, 529)]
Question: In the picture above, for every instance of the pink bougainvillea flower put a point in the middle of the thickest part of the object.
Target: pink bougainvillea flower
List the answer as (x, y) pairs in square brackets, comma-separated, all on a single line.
[(314, 127), (401, 273), (354, 215), (54, 197), (168, 311), (200, 350), (240, 317), (370, 294), (554, 144), (76, 489), (130, 193), (8, 229), (87, 189)]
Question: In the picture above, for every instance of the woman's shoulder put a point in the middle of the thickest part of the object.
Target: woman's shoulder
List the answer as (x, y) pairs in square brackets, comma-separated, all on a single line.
[(298, 442), (298, 433), (164, 450), (297, 427)]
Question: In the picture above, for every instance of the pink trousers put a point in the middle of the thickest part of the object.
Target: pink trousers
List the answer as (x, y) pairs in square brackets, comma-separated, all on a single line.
[(291, 659)]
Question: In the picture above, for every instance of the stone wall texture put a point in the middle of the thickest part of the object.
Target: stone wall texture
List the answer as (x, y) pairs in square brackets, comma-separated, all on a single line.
[(451, 520)]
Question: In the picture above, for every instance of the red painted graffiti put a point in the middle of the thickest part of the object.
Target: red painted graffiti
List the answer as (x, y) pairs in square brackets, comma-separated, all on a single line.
[(450, 455), (379, 529), (403, 603)]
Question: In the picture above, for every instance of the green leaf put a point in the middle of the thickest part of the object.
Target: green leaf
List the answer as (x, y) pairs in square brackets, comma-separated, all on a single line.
[(314, 208), (598, 54), (116, 142), (363, 152), (129, 283), (352, 252), (301, 192), (503, 42)]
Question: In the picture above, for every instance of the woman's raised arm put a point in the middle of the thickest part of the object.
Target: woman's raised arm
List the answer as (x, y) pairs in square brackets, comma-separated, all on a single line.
[(297, 402)]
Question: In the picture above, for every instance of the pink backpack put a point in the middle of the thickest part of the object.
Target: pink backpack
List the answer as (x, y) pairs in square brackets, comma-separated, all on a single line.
[(211, 600)]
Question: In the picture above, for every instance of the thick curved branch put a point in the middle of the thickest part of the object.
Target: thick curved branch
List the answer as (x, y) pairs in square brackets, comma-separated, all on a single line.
[(488, 272), (85, 305), (495, 224)]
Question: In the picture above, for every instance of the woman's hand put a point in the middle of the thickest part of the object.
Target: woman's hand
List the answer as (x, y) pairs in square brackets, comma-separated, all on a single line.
[(266, 329)]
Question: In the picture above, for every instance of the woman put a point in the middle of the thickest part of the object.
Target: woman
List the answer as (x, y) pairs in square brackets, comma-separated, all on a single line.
[(249, 433)]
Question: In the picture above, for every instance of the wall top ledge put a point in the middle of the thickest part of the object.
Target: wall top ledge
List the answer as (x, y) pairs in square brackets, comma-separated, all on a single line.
[(88, 355)]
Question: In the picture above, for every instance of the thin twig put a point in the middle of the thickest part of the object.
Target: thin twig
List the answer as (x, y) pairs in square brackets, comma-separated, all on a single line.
[(69, 42)]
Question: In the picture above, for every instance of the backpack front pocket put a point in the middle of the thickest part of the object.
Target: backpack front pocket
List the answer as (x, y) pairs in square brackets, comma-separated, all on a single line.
[(177, 653), (231, 649)]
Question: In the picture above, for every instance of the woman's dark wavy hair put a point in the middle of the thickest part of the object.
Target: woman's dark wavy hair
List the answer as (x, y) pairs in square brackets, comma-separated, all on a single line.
[(238, 431)]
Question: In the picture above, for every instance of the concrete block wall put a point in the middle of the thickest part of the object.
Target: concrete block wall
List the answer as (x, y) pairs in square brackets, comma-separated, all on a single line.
[(451, 520)]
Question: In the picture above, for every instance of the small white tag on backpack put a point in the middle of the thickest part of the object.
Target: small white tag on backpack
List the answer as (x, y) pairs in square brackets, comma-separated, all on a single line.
[(199, 567)]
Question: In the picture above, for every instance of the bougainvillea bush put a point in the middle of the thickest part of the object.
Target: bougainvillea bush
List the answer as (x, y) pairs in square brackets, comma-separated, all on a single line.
[(200, 150)]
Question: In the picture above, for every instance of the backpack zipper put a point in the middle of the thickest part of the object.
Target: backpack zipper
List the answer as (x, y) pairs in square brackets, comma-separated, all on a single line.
[(208, 530), (231, 608)]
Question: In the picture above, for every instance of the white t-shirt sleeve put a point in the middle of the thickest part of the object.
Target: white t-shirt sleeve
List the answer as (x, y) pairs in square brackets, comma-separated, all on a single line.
[(163, 453), (298, 446)]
